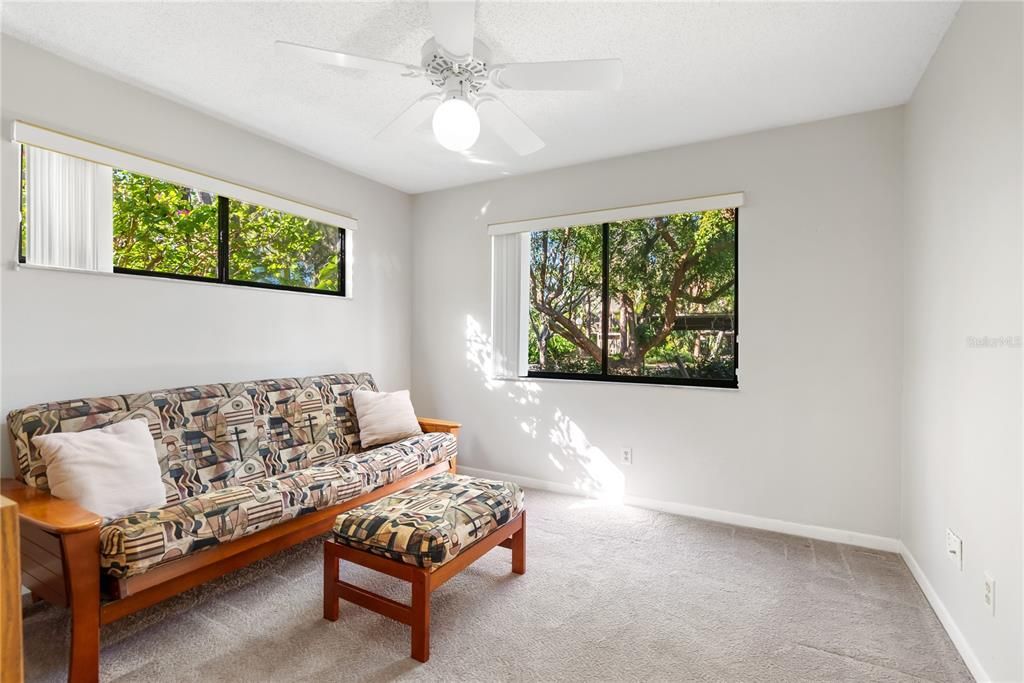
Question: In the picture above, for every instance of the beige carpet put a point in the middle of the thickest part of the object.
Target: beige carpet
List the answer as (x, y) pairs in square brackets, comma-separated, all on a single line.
[(610, 593)]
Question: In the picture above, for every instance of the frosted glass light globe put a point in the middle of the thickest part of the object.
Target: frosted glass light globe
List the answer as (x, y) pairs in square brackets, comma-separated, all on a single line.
[(456, 125)]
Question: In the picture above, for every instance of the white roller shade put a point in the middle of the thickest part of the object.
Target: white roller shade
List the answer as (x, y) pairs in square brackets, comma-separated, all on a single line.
[(82, 149), (509, 304), (709, 203)]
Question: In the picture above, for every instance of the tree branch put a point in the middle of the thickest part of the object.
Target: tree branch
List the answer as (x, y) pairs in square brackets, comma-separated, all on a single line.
[(570, 329), (708, 298), (668, 320)]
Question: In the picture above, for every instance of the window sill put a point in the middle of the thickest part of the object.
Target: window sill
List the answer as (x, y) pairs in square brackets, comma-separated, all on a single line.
[(635, 385), (176, 281)]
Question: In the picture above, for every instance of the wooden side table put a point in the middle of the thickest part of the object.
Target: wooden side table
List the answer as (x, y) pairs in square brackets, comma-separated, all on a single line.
[(11, 667)]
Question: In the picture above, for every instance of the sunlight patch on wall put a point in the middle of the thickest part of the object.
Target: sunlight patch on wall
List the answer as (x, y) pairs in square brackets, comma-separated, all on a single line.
[(596, 476), (480, 357), (569, 450), (480, 353)]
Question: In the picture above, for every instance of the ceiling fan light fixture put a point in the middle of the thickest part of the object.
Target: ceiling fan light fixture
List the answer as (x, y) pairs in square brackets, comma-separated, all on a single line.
[(458, 68), (456, 124)]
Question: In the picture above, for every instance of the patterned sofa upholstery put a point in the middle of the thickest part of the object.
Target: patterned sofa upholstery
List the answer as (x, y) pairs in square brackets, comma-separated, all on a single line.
[(235, 459)]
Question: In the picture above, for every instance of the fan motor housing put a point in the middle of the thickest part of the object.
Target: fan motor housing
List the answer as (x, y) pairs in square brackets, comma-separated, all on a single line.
[(449, 73)]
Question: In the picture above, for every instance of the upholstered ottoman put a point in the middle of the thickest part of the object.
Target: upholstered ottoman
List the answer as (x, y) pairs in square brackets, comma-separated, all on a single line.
[(425, 535)]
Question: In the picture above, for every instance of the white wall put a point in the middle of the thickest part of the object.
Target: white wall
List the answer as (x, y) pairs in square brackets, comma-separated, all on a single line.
[(66, 335), (812, 436), (962, 406)]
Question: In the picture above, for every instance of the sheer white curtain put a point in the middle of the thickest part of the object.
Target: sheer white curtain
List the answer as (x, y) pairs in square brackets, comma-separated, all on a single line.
[(69, 212), (510, 292)]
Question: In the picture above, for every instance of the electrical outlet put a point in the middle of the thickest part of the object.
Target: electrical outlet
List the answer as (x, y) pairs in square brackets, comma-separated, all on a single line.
[(990, 594), (627, 456), (955, 549)]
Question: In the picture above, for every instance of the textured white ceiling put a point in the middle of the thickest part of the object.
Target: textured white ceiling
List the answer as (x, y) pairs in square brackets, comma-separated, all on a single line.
[(692, 71)]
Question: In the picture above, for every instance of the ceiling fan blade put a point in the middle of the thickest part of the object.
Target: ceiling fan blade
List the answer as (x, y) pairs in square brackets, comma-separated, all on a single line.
[(508, 126), (418, 112), (344, 59), (584, 74), (454, 23)]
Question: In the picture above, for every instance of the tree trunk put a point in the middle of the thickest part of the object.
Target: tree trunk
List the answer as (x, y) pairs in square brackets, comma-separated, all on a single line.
[(623, 330), (632, 358), (543, 336)]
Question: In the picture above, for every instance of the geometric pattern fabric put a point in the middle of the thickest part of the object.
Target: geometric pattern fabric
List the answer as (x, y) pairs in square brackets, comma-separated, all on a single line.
[(430, 523), (139, 541), (213, 436)]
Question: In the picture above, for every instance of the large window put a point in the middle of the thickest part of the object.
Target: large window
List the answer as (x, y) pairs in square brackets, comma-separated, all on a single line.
[(88, 215), (644, 300)]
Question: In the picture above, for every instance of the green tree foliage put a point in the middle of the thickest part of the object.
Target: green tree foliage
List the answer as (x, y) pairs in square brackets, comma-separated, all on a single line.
[(167, 228), (162, 227), (274, 247), (664, 268), (565, 297), (661, 270)]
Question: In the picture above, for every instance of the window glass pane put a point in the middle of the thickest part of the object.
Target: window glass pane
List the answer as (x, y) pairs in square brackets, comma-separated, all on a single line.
[(160, 227), (565, 300), (276, 248), (24, 202), (672, 290)]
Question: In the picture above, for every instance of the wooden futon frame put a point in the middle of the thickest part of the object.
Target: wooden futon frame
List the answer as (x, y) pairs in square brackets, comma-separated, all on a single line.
[(60, 558)]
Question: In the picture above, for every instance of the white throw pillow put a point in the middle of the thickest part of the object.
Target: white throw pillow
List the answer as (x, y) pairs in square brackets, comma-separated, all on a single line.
[(110, 471), (384, 417)]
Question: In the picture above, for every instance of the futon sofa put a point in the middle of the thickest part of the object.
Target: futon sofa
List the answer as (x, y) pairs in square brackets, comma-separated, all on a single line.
[(248, 469)]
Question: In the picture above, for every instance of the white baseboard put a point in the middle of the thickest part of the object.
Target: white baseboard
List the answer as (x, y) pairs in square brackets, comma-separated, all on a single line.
[(970, 659), (820, 533)]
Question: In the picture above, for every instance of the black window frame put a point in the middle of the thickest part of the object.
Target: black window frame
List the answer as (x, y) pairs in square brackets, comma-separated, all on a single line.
[(605, 376), (224, 254), (223, 249)]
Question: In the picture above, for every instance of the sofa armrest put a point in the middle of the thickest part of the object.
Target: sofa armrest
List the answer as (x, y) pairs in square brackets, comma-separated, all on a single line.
[(72, 568), (47, 512), (429, 424)]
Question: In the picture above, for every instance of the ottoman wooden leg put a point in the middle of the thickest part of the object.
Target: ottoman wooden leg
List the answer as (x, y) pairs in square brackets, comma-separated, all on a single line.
[(519, 548), (421, 616), (331, 600)]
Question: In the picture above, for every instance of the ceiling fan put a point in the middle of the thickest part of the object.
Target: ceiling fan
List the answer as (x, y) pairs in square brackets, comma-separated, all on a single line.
[(458, 66)]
